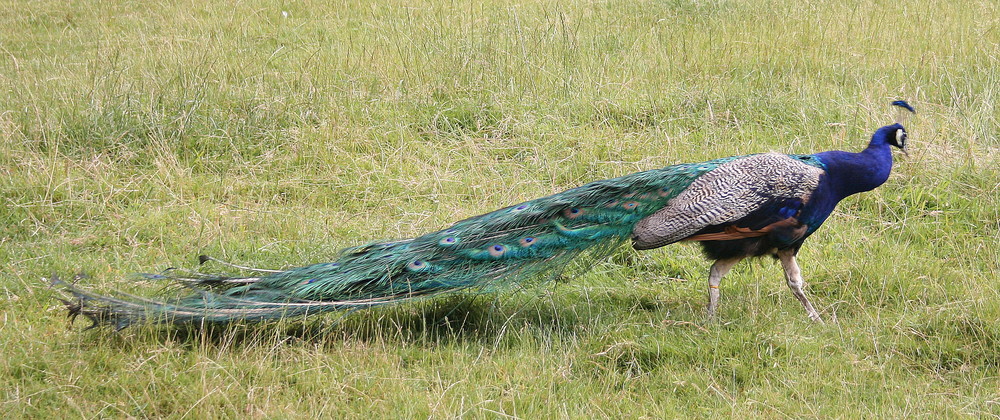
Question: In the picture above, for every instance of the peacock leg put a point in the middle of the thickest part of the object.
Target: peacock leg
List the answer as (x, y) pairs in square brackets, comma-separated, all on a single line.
[(794, 277), (719, 269)]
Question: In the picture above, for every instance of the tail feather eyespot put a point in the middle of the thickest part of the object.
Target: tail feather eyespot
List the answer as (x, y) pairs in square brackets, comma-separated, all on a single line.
[(496, 250), (417, 265)]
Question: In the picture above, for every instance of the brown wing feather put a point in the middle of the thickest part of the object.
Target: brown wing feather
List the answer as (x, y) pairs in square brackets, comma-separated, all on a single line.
[(727, 194), (732, 232)]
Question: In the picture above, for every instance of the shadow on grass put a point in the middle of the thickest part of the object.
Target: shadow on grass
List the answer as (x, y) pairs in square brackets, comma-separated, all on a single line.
[(488, 319)]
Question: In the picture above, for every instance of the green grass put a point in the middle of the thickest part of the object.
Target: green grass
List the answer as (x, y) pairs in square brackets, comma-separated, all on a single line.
[(135, 136)]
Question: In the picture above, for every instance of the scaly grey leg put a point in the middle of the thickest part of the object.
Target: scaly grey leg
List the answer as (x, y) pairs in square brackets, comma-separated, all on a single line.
[(794, 277), (719, 269)]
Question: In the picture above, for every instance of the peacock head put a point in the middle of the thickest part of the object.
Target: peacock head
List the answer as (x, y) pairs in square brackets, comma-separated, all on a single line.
[(895, 134)]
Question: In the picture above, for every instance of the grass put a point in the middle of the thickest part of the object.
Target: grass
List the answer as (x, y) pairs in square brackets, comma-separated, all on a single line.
[(136, 136)]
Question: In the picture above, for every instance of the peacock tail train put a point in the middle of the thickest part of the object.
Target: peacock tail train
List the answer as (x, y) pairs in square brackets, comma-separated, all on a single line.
[(481, 253)]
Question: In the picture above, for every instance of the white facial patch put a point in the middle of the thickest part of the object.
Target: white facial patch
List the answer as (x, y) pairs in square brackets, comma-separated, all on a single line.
[(901, 138)]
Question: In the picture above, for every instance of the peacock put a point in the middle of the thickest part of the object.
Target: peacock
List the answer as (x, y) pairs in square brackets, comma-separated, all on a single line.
[(735, 207)]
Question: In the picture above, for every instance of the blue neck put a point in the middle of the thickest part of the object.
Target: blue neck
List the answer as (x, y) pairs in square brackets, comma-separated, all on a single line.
[(850, 173)]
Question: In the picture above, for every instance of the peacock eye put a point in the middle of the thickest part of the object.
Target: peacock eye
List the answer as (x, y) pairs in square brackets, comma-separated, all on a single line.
[(900, 137)]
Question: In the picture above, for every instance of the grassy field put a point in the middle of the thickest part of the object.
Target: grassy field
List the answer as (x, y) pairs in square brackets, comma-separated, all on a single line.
[(136, 135)]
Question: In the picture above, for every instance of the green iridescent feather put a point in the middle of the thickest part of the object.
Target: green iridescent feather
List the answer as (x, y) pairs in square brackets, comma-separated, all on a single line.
[(481, 253)]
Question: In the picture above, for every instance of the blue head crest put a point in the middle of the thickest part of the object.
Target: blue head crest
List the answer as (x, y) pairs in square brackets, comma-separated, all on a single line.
[(902, 115), (904, 105)]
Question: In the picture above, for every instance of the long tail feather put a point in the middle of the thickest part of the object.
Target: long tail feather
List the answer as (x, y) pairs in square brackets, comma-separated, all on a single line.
[(205, 258), (482, 253)]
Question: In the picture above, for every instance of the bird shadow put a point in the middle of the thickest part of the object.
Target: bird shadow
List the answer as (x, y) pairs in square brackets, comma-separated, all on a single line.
[(487, 320)]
